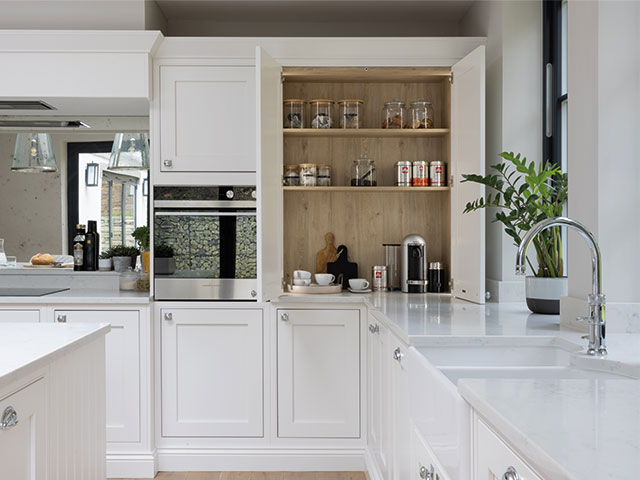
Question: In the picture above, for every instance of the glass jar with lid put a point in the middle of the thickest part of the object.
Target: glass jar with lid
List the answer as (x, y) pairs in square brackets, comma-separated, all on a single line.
[(291, 176), (321, 113), (421, 114), (350, 110), (394, 115), (323, 178), (294, 116), (363, 172), (308, 174)]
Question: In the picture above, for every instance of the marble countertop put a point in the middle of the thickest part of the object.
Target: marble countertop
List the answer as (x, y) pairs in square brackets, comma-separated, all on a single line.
[(85, 296), (27, 347), (568, 429)]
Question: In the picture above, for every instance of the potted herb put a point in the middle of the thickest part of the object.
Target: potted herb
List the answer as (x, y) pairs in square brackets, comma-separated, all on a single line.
[(164, 263), (104, 261), (141, 235), (124, 257), (524, 195)]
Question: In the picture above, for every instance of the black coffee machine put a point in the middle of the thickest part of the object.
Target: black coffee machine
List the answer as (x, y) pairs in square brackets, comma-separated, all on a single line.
[(413, 264)]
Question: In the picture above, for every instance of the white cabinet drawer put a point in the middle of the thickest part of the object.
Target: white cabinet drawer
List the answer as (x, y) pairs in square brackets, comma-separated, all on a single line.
[(19, 316), (494, 457)]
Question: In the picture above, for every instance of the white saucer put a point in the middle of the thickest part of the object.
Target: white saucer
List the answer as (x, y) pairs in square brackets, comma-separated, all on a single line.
[(366, 290)]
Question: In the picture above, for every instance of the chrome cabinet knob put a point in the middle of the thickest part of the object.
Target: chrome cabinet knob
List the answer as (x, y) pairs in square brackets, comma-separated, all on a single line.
[(168, 316), (397, 354), (9, 418), (61, 319), (427, 473), (284, 317), (167, 163), (374, 328), (254, 294), (230, 194), (511, 474)]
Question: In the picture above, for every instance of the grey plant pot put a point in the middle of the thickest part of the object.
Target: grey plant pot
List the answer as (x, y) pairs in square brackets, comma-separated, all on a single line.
[(120, 264), (105, 264), (543, 294), (164, 266)]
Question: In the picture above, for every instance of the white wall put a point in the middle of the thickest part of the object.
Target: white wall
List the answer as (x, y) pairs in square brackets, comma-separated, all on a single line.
[(514, 111)]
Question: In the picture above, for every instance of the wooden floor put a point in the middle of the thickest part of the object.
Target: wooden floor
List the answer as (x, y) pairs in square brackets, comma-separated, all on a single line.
[(259, 476)]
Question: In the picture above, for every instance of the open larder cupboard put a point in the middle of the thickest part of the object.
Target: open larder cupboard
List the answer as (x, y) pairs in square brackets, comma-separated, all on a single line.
[(363, 218)]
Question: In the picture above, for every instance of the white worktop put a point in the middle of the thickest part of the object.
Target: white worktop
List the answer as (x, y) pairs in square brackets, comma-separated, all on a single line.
[(27, 347), (83, 296), (569, 429)]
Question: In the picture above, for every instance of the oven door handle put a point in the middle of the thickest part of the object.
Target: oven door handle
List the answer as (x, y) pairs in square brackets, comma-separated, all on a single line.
[(205, 214)]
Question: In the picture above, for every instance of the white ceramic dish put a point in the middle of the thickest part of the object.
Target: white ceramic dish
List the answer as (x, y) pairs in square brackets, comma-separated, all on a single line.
[(366, 290)]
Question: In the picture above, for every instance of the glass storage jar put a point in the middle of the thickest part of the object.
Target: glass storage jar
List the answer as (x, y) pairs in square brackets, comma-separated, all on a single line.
[(363, 172), (394, 115), (421, 114), (321, 113), (128, 279), (291, 175), (323, 178), (350, 110), (308, 174), (294, 116)]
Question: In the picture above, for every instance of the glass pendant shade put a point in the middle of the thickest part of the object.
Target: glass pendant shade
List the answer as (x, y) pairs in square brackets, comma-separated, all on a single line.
[(34, 153), (130, 152)]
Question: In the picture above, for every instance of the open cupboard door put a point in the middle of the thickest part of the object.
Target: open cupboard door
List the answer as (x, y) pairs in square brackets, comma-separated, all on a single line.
[(468, 156), (269, 171)]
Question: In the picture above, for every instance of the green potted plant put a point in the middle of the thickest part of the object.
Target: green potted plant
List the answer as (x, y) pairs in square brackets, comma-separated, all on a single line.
[(104, 261), (141, 235), (124, 257), (164, 263), (524, 195)]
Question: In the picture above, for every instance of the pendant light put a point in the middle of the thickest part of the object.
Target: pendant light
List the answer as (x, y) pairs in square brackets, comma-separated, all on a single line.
[(130, 152), (34, 153)]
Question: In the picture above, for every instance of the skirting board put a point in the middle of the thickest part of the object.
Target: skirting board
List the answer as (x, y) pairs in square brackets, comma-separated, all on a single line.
[(131, 466), (371, 472), (204, 460)]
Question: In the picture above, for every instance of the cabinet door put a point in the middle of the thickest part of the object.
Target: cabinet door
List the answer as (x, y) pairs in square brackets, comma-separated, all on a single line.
[(423, 462), (207, 119), (401, 430), (8, 316), (122, 352), (319, 373), (468, 156), (212, 373), (494, 458), (23, 445), (379, 410)]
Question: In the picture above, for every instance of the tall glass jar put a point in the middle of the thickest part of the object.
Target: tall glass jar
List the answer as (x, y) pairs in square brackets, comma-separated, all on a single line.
[(291, 175), (350, 110), (394, 115), (421, 114), (308, 174), (322, 113), (323, 178), (294, 113), (363, 172)]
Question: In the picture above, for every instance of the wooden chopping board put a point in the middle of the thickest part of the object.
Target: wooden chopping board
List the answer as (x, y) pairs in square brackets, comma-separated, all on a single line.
[(342, 266)]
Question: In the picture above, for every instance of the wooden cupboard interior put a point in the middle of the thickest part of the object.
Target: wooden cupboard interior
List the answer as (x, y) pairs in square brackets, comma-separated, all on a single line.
[(363, 218)]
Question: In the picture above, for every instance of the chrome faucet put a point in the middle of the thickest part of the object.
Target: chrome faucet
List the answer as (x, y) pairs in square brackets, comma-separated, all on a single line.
[(596, 299)]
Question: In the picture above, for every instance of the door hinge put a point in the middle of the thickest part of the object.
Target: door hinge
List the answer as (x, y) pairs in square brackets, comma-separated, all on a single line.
[(451, 182), (281, 77), (451, 284), (451, 78)]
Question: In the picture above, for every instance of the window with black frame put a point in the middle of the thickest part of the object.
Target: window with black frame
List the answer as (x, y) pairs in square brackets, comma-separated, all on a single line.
[(555, 82)]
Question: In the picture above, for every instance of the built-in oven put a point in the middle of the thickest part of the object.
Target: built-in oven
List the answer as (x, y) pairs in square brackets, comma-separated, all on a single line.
[(211, 234)]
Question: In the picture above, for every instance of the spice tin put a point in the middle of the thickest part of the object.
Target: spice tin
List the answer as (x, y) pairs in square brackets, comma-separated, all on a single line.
[(403, 174), (379, 277), (437, 177), (420, 175)]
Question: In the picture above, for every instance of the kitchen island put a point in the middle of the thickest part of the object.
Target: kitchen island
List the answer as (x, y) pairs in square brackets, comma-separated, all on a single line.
[(52, 400)]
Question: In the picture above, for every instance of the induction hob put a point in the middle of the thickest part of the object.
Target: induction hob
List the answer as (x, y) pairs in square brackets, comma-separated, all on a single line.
[(29, 292)]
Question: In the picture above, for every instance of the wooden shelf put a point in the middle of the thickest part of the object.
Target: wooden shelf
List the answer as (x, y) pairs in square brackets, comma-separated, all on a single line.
[(365, 132), (365, 189), (366, 74)]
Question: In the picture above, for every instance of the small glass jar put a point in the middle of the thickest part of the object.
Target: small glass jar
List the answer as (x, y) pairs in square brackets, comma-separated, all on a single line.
[(291, 175), (323, 179), (350, 110), (421, 114), (363, 172), (321, 113), (128, 279), (308, 174), (294, 113), (394, 115)]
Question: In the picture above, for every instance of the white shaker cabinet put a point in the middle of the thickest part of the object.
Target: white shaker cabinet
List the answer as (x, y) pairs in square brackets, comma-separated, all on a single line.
[(401, 429), (19, 315), (207, 118), (23, 434), (318, 373), (212, 372), (122, 368)]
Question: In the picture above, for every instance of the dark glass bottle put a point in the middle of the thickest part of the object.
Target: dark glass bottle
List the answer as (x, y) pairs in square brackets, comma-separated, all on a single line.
[(90, 248), (93, 226), (78, 248)]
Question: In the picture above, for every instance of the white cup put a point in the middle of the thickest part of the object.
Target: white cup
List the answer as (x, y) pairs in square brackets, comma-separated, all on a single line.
[(325, 278), (358, 284), (302, 274), (302, 282)]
